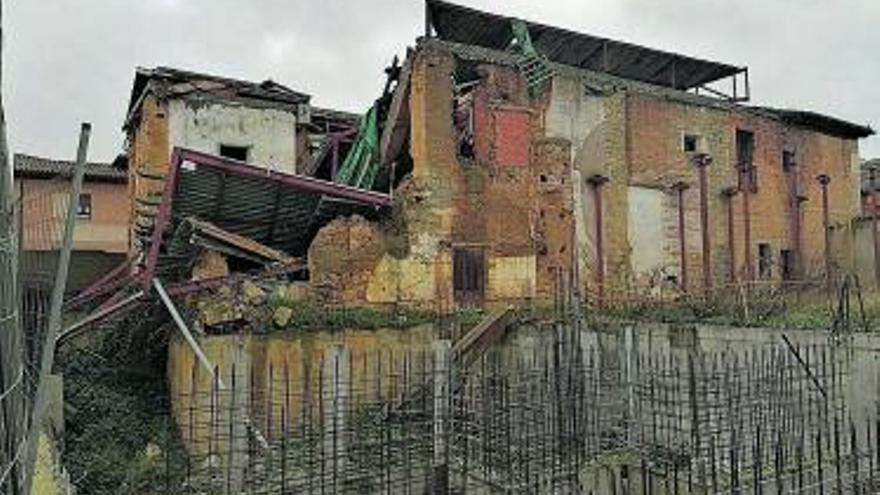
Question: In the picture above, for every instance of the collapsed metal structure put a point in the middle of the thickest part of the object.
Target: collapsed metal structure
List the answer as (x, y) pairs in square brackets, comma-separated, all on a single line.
[(233, 200)]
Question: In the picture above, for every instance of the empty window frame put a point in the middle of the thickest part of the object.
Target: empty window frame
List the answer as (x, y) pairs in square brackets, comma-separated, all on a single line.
[(765, 261), (84, 207), (745, 153), (469, 275), (232, 152), (690, 143)]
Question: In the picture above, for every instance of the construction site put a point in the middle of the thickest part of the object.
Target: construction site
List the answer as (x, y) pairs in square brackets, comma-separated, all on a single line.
[(541, 262)]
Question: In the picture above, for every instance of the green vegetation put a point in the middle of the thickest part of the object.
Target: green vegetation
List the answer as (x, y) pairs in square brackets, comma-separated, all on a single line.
[(116, 437), (311, 316), (765, 307)]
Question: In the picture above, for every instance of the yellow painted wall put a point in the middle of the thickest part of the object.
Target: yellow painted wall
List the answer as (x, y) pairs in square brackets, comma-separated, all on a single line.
[(282, 376)]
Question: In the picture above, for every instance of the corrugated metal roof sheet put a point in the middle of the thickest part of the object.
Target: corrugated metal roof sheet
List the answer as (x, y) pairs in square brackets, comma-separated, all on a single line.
[(466, 25)]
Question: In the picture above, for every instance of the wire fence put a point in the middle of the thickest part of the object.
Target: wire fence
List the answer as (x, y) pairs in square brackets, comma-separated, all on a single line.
[(32, 254), (564, 414)]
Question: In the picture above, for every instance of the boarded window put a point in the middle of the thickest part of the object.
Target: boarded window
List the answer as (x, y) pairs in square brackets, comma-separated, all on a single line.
[(239, 153), (469, 275), (511, 138), (745, 152), (786, 259), (765, 261), (787, 160), (84, 207)]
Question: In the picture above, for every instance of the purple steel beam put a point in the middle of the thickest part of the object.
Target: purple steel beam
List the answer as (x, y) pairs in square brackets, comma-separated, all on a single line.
[(108, 280), (300, 182), (163, 218)]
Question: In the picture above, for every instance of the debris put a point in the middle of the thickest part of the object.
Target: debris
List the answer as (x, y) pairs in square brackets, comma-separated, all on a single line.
[(282, 316), (252, 294)]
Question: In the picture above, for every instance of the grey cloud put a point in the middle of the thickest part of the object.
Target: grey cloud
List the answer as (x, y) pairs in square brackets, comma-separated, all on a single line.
[(69, 61)]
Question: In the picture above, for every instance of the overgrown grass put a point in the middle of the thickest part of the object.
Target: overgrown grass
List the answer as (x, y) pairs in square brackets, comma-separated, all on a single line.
[(764, 308), (310, 316)]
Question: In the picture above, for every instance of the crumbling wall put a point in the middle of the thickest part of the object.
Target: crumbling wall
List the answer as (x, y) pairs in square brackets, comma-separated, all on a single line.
[(148, 156), (342, 259), (507, 193), (268, 133)]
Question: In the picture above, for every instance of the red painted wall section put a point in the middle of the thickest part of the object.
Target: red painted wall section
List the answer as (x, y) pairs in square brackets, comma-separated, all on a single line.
[(511, 138)]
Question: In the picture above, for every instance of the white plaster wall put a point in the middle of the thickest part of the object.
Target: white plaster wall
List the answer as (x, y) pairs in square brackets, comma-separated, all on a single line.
[(270, 134), (648, 233)]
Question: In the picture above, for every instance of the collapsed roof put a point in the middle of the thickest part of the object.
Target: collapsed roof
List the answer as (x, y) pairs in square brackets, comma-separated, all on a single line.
[(167, 81), (473, 27), (281, 211)]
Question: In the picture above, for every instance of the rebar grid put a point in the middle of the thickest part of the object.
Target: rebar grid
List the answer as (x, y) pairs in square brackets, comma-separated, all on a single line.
[(561, 417)]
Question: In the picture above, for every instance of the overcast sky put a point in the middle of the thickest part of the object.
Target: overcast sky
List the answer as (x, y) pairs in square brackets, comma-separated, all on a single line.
[(68, 61)]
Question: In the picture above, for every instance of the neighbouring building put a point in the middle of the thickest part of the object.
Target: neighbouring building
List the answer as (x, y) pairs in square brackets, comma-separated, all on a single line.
[(265, 124), (535, 159), (867, 231), (100, 239)]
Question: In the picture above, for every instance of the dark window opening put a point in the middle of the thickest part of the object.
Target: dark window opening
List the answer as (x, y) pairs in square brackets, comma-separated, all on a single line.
[(786, 259), (469, 275), (745, 152), (690, 143), (239, 153), (765, 261), (84, 206), (787, 160)]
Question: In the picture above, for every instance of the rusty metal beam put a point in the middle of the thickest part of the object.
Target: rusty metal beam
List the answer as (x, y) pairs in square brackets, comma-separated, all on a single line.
[(702, 162), (680, 188)]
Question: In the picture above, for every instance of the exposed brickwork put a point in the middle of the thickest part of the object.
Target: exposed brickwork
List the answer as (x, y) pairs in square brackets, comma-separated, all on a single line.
[(513, 200), (149, 155), (526, 196)]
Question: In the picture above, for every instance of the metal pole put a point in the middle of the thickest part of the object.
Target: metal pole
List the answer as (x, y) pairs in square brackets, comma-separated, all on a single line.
[(47, 357), (680, 188), (747, 217), (824, 180), (702, 162), (874, 233), (729, 193), (795, 200)]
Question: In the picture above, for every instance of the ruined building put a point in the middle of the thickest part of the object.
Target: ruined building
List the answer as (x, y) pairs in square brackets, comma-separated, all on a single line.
[(535, 158), (506, 162), (264, 124)]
